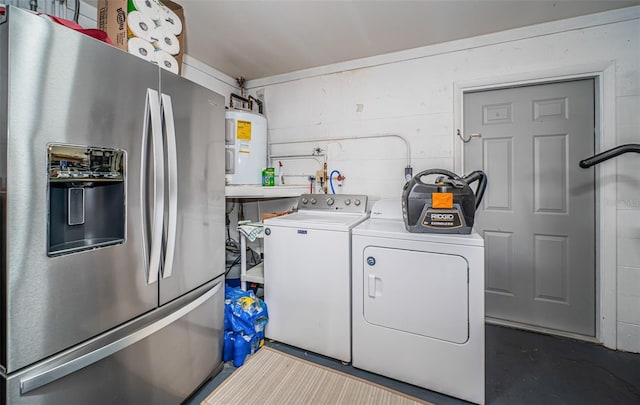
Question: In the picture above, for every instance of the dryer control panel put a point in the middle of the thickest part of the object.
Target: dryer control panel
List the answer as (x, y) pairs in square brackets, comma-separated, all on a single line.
[(354, 203)]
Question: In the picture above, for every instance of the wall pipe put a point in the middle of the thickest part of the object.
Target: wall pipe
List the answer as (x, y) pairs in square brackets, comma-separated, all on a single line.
[(406, 142), (292, 157), (301, 157)]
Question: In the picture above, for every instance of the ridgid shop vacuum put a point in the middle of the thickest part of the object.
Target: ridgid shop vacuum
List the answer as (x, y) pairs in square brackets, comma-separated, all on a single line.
[(446, 206)]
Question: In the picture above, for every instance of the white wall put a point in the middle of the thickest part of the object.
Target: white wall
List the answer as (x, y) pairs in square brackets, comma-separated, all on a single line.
[(413, 94)]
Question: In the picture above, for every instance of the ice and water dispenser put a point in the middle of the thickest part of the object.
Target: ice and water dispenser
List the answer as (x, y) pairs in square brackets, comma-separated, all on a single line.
[(86, 190)]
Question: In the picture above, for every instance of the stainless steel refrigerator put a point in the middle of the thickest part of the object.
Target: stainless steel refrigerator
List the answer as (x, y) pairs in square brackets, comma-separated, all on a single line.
[(111, 219)]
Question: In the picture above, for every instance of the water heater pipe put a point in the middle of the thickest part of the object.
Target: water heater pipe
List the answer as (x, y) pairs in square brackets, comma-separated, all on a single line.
[(252, 100), (243, 99)]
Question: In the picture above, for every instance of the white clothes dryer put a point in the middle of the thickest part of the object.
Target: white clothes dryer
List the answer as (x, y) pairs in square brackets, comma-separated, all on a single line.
[(307, 273), (418, 305)]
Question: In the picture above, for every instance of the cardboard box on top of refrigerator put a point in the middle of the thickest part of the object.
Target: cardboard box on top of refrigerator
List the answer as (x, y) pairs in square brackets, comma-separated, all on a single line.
[(112, 19)]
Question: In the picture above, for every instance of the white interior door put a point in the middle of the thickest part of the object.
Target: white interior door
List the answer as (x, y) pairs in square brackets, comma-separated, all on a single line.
[(538, 214)]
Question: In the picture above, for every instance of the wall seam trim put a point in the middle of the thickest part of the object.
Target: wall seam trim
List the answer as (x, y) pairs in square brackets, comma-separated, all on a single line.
[(193, 63)]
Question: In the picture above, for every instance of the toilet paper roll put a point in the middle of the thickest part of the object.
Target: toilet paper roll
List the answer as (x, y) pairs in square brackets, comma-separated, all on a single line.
[(150, 8), (167, 41), (169, 20), (142, 49), (142, 26), (167, 61)]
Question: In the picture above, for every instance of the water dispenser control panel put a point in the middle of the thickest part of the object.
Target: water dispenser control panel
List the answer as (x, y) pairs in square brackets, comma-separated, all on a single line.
[(86, 191)]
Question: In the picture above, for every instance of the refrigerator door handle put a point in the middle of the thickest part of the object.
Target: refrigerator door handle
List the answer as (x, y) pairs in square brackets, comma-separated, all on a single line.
[(172, 174), (50, 375), (152, 117)]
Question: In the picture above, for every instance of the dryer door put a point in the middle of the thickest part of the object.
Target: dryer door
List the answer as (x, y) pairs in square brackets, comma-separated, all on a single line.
[(417, 292)]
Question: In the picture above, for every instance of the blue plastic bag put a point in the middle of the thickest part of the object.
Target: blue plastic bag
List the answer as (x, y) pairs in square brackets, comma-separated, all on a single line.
[(244, 312), (228, 345), (245, 317)]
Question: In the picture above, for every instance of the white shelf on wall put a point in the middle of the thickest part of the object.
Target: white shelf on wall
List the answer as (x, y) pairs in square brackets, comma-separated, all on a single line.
[(260, 192)]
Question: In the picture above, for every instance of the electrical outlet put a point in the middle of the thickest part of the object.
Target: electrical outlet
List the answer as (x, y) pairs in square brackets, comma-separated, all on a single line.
[(320, 176)]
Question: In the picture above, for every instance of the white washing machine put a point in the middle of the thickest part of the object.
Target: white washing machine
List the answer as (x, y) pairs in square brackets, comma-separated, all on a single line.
[(307, 273), (418, 305)]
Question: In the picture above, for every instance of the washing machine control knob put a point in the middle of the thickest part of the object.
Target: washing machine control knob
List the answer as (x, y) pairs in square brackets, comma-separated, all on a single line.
[(347, 202), (357, 202), (305, 200), (330, 201), (313, 201)]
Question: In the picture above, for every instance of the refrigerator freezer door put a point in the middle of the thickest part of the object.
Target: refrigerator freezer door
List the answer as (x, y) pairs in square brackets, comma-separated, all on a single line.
[(197, 115), (67, 88), (161, 362)]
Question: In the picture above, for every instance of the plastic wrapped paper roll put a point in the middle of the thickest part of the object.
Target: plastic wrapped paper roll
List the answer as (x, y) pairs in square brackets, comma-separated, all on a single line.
[(142, 49), (167, 41), (150, 8), (142, 26), (169, 20), (167, 61)]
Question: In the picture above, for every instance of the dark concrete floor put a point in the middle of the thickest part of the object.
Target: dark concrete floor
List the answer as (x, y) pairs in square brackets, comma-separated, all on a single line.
[(521, 368)]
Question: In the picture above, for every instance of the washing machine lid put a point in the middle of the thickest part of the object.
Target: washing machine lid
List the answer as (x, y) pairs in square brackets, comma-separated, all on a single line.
[(395, 229), (331, 221)]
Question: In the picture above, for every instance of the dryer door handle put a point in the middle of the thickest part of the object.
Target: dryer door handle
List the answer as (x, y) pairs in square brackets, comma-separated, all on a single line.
[(374, 282)]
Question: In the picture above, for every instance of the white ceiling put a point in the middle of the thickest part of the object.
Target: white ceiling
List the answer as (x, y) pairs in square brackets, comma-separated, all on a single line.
[(257, 39)]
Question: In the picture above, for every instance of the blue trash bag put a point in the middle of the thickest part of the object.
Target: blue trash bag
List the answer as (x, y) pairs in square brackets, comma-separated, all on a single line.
[(245, 317), (244, 312)]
